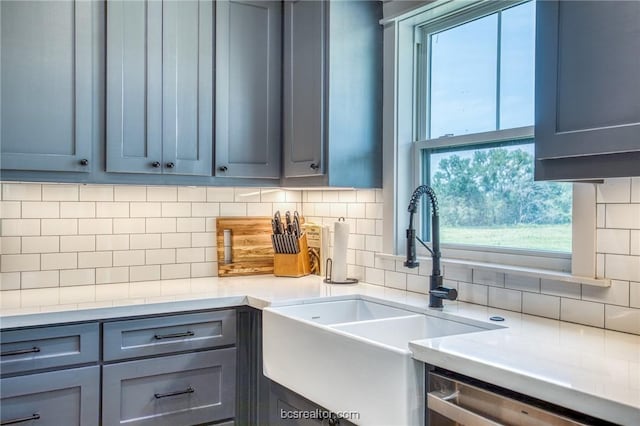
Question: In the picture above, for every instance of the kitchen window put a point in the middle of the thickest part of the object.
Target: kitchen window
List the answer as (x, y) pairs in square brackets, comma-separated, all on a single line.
[(473, 119)]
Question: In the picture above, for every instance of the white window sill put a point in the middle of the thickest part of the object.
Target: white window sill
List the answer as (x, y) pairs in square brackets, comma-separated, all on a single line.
[(518, 270)]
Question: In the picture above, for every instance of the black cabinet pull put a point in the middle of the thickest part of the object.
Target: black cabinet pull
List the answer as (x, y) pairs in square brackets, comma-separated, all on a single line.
[(314, 166), (155, 164), (84, 162), (174, 335), (21, 352), (176, 393), (170, 165), (222, 168), (34, 416)]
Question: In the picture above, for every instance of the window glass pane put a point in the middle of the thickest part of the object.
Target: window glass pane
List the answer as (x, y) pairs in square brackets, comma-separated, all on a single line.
[(487, 196), (517, 66), (463, 78)]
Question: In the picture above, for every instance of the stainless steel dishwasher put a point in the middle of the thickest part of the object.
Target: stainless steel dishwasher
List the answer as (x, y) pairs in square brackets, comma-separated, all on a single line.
[(456, 400)]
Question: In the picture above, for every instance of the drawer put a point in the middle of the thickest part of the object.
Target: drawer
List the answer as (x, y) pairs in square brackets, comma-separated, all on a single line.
[(162, 335), (65, 397), (174, 390), (47, 347)]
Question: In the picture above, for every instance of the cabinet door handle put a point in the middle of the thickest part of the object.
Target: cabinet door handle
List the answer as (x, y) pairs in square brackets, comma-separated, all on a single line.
[(176, 393), (34, 416), (174, 335), (21, 352), (170, 165), (223, 168), (84, 162), (314, 166), (155, 164)]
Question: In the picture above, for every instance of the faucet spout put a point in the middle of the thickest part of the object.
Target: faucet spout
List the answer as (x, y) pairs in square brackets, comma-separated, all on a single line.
[(436, 291)]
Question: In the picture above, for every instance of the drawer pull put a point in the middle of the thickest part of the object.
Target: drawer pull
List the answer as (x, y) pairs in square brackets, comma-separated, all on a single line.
[(174, 335), (176, 393), (34, 416), (20, 352)]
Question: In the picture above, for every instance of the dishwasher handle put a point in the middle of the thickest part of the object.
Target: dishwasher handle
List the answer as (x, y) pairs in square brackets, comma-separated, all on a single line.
[(442, 405)]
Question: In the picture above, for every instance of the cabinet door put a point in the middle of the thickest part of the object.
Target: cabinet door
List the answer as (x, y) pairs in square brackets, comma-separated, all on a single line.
[(187, 86), (304, 87), (46, 84), (134, 86), (587, 78), (248, 75), (66, 397)]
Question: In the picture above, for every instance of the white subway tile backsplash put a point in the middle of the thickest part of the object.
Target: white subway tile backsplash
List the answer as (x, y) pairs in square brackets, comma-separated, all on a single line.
[(541, 305), (204, 269), (364, 258), (635, 243), (76, 277), (203, 239), (96, 193), (210, 254), (273, 195), (473, 293), (21, 191), (73, 209), (50, 244), (635, 190), (144, 210), (144, 241), (190, 224), (176, 209), (246, 195), (162, 193), (40, 209), (220, 194), (614, 191), (59, 226), (458, 273), (11, 245), (112, 275), (112, 242), (116, 209), (39, 279), (59, 192), (20, 227), (622, 267), (159, 225), (174, 271), (373, 210), (19, 262), (486, 277), (9, 281), (160, 256), (10, 209), (617, 294), (192, 193), (96, 226), (190, 255), (129, 225), (613, 241), (366, 196), (373, 243), (59, 261), (129, 193), (205, 209), (523, 283), (560, 288), (128, 257), (96, 259), (78, 243), (365, 226), (504, 298), (582, 312), (233, 209), (625, 216), (418, 283), (144, 273), (259, 209), (622, 319), (395, 280), (601, 215), (176, 240), (634, 294)]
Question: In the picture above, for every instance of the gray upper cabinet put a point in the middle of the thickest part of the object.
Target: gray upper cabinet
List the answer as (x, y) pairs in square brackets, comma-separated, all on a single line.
[(248, 88), (160, 87), (587, 89), (332, 93), (46, 86)]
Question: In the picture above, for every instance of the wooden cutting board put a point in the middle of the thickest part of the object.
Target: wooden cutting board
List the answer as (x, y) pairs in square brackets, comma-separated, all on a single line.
[(251, 249)]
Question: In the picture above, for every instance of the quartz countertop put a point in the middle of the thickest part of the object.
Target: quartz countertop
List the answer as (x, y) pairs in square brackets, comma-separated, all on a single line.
[(583, 368)]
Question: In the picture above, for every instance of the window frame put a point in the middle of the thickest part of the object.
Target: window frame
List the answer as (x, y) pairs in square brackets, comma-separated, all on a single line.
[(400, 174)]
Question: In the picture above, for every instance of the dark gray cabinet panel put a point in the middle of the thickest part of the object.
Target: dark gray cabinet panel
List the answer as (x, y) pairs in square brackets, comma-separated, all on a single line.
[(587, 86), (48, 347), (304, 87), (160, 87), (248, 81), (134, 86), (174, 390), (46, 87), (332, 94), (162, 335), (66, 397)]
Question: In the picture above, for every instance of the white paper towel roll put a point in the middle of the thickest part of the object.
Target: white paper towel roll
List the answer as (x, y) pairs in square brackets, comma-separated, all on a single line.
[(340, 245)]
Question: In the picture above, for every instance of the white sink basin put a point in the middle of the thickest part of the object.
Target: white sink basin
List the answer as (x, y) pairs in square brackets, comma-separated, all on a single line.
[(352, 355), (341, 311)]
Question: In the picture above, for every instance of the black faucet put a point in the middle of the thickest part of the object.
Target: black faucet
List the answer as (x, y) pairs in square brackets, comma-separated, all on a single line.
[(436, 291)]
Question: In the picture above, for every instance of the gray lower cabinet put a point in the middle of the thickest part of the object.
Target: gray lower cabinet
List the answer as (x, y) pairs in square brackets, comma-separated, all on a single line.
[(332, 88), (172, 390), (160, 86), (65, 397), (248, 84), (587, 89), (47, 51)]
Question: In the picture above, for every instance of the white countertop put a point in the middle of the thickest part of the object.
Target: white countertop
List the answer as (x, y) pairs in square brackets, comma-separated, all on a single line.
[(587, 369)]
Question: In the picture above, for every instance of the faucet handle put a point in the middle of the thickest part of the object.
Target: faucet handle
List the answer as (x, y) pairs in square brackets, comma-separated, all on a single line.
[(444, 293)]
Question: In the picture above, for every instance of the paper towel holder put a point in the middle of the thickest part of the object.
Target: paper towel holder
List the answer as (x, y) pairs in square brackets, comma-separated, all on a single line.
[(329, 280)]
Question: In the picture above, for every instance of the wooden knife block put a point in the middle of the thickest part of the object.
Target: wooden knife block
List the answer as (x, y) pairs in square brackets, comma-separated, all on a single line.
[(293, 265)]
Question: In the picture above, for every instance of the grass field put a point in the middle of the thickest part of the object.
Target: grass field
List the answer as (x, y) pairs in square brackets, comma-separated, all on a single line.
[(536, 237)]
